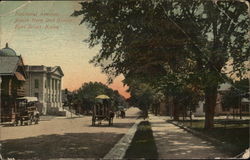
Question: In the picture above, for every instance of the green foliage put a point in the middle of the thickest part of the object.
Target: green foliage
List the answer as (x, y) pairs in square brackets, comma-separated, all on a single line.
[(142, 94), (143, 144), (86, 95), (235, 135), (142, 36), (176, 43)]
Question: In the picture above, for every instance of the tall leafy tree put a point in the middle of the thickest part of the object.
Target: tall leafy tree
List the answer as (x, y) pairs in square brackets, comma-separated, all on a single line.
[(143, 37), (142, 94), (86, 95)]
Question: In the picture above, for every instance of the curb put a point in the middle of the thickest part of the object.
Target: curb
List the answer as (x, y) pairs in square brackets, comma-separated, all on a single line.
[(120, 148)]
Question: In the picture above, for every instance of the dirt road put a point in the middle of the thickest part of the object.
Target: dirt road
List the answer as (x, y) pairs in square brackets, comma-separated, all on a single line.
[(64, 138)]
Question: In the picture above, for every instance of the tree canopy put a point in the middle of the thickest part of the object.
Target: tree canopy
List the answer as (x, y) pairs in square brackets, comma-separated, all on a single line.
[(86, 95), (190, 39)]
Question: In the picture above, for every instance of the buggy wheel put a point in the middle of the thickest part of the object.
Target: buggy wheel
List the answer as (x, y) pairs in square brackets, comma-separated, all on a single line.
[(15, 123), (36, 120), (30, 122), (31, 119), (110, 122), (93, 121)]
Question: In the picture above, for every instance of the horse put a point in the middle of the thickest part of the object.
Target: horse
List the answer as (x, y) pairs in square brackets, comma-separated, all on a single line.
[(111, 117)]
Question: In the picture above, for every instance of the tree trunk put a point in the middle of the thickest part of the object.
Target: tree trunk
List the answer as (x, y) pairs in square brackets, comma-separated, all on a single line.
[(234, 113), (240, 111), (175, 109), (190, 114), (184, 111), (158, 108), (183, 115), (210, 103)]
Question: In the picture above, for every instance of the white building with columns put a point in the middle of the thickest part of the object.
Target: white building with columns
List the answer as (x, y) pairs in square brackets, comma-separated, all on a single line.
[(45, 83)]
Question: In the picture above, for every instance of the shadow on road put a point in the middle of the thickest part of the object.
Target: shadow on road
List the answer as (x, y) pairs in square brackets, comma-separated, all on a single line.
[(70, 145), (179, 144)]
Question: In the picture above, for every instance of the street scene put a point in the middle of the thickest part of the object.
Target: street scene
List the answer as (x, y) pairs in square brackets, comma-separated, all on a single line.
[(63, 137), (109, 79)]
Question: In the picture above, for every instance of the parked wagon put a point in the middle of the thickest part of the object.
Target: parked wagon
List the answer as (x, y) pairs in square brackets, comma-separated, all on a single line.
[(102, 110), (28, 111)]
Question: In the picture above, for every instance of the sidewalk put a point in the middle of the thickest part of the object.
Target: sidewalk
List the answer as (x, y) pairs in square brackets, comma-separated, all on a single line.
[(174, 143)]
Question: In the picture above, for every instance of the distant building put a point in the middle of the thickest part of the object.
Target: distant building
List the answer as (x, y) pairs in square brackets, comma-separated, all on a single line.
[(219, 108), (45, 83), (12, 79), (200, 110)]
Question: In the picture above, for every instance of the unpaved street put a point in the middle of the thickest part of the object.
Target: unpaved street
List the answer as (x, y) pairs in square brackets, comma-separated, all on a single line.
[(64, 138)]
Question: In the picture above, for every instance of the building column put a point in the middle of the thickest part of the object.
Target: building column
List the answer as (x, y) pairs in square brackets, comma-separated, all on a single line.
[(55, 87), (52, 92), (57, 93), (60, 94)]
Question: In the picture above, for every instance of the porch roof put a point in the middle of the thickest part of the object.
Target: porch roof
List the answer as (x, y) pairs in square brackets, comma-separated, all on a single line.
[(8, 65)]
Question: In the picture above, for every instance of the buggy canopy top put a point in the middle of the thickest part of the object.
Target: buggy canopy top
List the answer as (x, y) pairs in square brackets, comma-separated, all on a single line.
[(29, 99), (102, 96)]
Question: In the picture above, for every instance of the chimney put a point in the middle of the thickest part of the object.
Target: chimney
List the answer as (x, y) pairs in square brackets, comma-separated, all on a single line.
[(6, 46)]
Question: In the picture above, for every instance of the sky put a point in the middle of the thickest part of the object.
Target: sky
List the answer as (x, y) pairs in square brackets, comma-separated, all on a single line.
[(44, 33)]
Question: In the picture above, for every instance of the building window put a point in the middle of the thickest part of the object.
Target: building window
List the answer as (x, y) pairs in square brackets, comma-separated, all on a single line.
[(37, 95), (45, 84), (36, 83), (245, 107)]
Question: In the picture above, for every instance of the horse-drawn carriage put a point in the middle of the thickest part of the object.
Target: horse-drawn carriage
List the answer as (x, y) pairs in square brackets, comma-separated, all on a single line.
[(102, 110), (27, 111), (23, 110)]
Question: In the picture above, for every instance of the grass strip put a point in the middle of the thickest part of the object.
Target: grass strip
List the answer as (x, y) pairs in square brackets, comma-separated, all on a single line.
[(236, 135), (143, 144)]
